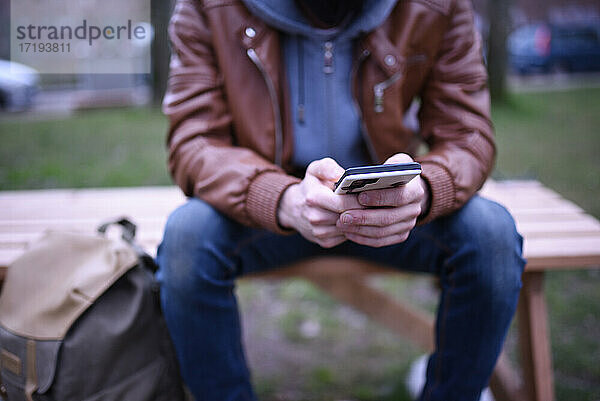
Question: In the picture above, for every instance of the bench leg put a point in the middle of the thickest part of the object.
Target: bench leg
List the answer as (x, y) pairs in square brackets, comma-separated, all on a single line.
[(534, 339)]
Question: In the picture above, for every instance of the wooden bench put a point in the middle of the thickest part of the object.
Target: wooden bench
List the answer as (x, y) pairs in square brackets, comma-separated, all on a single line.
[(558, 235)]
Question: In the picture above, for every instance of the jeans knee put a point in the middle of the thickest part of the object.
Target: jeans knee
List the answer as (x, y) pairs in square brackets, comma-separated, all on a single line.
[(495, 247), (192, 252), (490, 228)]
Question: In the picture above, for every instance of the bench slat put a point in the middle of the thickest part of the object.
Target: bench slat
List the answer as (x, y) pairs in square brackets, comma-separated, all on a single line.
[(555, 253), (536, 204), (584, 226)]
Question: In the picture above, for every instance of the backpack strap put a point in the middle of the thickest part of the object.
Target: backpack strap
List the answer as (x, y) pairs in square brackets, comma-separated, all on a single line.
[(128, 230), (31, 380)]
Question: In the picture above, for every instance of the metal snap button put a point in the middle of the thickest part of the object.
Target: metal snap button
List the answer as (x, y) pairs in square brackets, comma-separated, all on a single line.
[(250, 32), (389, 60)]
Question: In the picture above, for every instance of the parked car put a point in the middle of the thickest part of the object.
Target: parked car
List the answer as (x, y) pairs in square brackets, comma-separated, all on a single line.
[(18, 86), (549, 48)]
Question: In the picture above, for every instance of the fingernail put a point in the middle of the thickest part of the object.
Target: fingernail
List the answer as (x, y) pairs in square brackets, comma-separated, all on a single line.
[(347, 219)]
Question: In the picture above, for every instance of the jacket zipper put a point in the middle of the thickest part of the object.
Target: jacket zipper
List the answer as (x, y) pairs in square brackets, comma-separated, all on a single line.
[(365, 132), (380, 88), (274, 101)]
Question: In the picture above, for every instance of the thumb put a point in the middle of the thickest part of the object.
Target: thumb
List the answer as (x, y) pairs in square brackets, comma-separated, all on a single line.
[(399, 158), (325, 169)]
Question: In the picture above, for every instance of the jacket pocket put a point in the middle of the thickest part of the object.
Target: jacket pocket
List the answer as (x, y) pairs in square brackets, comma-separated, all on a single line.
[(380, 87)]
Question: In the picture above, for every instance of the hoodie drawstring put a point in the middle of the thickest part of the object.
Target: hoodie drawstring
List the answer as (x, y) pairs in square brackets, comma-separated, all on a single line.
[(300, 81)]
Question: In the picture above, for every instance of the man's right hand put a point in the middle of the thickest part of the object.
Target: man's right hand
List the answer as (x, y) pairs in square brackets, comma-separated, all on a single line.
[(312, 208)]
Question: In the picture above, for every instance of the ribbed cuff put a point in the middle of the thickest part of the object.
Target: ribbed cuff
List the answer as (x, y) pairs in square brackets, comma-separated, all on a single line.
[(263, 199), (442, 191)]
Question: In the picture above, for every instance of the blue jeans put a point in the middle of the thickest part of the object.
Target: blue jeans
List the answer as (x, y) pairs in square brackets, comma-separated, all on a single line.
[(476, 253)]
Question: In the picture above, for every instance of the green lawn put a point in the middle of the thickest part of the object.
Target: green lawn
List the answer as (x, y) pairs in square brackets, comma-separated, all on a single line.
[(547, 136), (121, 147)]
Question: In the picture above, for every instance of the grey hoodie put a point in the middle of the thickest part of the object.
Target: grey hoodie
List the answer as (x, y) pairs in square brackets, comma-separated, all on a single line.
[(318, 64)]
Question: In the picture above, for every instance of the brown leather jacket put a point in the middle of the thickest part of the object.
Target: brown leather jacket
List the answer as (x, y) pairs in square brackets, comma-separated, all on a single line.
[(230, 138)]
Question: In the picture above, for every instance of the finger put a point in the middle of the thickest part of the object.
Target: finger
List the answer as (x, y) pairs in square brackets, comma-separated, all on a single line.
[(380, 217), (391, 197), (317, 216), (404, 195), (325, 232), (399, 158), (331, 242), (378, 232), (324, 198), (377, 242), (325, 169)]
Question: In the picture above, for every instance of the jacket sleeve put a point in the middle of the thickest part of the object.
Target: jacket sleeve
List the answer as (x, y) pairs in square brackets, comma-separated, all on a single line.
[(455, 117), (203, 158)]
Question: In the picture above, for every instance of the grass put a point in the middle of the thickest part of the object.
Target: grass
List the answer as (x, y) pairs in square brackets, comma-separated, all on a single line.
[(346, 357), (302, 344), (121, 147)]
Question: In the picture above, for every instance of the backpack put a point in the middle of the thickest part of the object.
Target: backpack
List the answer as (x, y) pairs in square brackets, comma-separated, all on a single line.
[(80, 320)]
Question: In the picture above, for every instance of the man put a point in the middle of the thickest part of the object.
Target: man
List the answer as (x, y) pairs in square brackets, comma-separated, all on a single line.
[(269, 101)]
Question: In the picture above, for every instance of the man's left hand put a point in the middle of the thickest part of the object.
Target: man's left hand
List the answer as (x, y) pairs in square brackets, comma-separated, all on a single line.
[(390, 214)]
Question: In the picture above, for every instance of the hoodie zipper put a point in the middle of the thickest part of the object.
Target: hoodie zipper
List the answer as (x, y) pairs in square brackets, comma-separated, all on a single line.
[(328, 58), (379, 89), (274, 101)]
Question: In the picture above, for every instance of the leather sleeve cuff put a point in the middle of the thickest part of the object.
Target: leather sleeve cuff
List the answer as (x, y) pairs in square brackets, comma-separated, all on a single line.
[(442, 191), (263, 198)]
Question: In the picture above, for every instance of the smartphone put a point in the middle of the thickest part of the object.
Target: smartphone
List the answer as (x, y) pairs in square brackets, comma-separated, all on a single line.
[(366, 178)]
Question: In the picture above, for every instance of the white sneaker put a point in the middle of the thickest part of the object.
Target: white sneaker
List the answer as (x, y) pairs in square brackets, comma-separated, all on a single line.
[(415, 379)]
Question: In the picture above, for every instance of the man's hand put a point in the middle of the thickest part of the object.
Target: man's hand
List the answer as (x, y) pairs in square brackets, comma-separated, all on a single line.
[(390, 214), (312, 208)]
